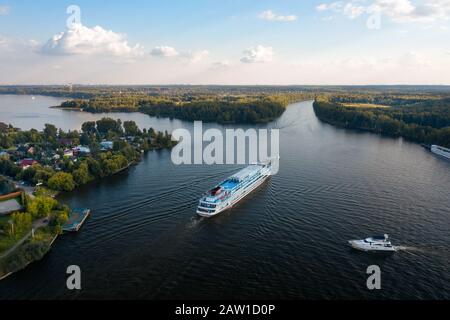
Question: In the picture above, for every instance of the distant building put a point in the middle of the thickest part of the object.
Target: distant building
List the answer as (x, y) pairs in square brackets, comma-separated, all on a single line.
[(31, 150), (26, 163), (68, 153), (82, 150), (4, 155), (106, 145)]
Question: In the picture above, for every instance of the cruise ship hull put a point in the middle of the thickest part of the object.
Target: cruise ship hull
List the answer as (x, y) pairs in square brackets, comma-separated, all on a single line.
[(213, 204), (234, 202)]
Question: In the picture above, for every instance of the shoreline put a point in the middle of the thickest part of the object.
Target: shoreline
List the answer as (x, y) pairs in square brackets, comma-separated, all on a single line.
[(118, 110), (57, 235), (31, 261)]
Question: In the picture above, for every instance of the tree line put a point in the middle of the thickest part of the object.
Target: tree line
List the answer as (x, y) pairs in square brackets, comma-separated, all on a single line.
[(260, 108), (424, 122)]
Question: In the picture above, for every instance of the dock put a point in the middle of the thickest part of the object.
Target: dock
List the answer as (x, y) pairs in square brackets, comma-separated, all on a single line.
[(76, 219)]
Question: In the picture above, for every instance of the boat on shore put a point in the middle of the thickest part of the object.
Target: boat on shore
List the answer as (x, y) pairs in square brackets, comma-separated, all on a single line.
[(232, 190), (441, 151), (377, 243)]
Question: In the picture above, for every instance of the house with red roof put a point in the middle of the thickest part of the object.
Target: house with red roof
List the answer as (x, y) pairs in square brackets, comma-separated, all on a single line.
[(26, 163)]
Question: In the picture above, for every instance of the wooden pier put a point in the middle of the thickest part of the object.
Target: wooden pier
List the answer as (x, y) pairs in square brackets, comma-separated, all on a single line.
[(76, 219)]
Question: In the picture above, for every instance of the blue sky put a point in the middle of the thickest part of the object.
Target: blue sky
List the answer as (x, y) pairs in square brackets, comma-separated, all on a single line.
[(229, 42)]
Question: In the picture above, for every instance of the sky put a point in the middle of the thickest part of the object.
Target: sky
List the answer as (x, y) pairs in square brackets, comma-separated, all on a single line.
[(233, 42)]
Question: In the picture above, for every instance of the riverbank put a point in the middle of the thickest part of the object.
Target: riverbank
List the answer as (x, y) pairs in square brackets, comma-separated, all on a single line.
[(26, 252), (386, 121), (32, 248), (56, 161)]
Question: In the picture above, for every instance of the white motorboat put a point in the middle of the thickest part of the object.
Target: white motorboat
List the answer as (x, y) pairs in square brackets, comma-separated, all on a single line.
[(377, 243)]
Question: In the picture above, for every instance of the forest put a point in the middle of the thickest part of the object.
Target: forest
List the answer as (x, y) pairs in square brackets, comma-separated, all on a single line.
[(259, 108), (421, 118)]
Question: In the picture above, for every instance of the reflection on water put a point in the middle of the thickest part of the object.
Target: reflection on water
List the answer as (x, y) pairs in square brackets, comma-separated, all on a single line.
[(287, 240)]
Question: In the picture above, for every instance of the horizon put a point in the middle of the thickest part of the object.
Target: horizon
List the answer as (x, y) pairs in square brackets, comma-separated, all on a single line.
[(279, 43), (218, 85)]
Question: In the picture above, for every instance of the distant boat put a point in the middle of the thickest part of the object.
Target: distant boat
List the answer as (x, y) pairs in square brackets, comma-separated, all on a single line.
[(441, 151), (377, 243), (234, 189)]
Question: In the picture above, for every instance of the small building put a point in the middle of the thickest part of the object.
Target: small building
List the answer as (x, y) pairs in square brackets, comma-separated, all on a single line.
[(4, 155), (68, 153), (31, 150), (26, 163), (106, 145), (82, 150)]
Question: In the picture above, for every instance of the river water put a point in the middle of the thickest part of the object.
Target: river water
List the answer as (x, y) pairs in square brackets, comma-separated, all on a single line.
[(288, 240)]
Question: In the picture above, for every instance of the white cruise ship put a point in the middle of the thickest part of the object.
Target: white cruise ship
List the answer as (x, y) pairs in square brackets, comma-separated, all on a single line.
[(444, 152), (232, 190)]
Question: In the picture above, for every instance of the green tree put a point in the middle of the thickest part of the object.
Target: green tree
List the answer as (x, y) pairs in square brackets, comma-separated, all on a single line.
[(41, 206), (50, 132), (21, 224), (61, 181), (89, 127), (131, 128), (81, 175), (107, 124)]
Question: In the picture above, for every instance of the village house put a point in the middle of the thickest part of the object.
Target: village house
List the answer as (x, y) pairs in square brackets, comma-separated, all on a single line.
[(31, 150), (4, 155), (68, 153), (26, 163), (81, 150), (106, 145)]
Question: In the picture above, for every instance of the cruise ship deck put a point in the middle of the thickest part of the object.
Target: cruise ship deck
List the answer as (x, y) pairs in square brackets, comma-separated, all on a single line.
[(232, 190)]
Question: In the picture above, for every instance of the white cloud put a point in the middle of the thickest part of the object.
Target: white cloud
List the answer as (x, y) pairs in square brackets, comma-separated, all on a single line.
[(258, 54), (4, 10), (82, 40), (12, 45), (413, 60), (164, 52), (406, 11), (271, 16), (170, 52), (197, 56), (351, 9), (322, 7), (221, 64), (334, 6), (396, 10)]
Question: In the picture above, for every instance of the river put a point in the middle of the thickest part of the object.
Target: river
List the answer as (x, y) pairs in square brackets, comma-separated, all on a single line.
[(288, 240)]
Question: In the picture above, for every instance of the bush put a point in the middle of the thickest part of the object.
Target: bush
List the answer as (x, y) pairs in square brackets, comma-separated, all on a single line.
[(61, 181)]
